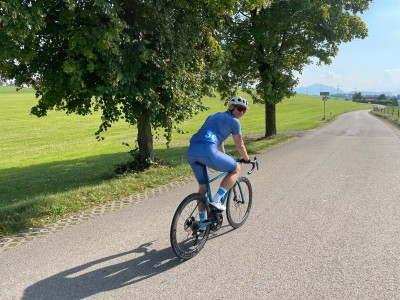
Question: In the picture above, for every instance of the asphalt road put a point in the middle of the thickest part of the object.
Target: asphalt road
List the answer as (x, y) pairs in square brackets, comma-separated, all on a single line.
[(325, 224)]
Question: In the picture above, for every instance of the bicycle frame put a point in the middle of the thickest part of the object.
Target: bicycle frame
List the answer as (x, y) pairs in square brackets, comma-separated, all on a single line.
[(208, 188), (209, 193)]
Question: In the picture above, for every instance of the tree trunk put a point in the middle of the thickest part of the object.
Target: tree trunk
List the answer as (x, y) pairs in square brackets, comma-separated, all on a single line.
[(270, 116), (145, 139), (270, 119)]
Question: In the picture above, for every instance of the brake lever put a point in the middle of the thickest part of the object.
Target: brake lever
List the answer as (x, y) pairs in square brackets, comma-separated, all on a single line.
[(255, 164)]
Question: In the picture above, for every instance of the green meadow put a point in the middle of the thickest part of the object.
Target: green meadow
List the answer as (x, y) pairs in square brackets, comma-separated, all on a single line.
[(52, 167)]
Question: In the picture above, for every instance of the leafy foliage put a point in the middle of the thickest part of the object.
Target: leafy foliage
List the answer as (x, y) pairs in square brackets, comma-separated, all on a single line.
[(265, 45), (151, 62), (380, 100), (148, 62), (357, 96)]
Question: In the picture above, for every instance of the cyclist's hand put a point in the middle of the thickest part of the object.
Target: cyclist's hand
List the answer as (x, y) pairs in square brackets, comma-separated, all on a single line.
[(253, 162), (243, 161)]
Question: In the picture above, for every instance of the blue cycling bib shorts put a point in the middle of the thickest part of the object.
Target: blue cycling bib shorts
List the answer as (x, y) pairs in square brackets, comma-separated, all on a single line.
[(204, 144), (209, 155)]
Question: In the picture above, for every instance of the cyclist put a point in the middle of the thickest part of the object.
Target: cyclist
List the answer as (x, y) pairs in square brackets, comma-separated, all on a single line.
[(207, 148)]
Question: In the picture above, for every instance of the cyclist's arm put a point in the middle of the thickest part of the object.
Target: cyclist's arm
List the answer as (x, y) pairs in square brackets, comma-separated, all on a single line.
[(221, 147), (240, 147)]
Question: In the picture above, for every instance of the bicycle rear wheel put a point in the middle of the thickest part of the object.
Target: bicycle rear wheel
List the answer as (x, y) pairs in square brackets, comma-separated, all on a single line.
[(186, 238), (239, 202)]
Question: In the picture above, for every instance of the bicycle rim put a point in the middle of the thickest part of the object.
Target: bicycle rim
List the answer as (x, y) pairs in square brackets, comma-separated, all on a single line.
[(186, 239), (239, 203)]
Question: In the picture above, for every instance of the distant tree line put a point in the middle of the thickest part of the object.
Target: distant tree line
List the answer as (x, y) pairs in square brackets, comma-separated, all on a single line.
[(382, 99)]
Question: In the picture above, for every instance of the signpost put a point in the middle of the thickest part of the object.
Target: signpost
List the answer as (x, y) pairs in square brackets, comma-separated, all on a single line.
[(325, 97)]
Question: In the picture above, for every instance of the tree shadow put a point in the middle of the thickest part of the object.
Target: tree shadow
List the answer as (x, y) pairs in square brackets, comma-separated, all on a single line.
[(22, 183), (57, 176), (26, 193), (92, 278), (17, 184)]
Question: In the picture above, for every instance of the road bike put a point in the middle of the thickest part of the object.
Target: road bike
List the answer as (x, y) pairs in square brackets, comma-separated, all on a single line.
[(189, 233)]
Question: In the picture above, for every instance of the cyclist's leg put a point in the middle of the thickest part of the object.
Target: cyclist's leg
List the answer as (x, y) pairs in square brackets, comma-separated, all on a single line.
[(224, 163), (230, 178), (195, 155), (202, 191)]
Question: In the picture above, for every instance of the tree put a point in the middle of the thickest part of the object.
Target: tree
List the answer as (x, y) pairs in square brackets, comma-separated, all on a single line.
[(266, 44), (357, 97), (148, 62), (382, 97)]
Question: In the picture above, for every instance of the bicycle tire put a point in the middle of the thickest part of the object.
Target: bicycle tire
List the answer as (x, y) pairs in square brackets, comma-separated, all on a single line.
[(186, 240), (238, 208)]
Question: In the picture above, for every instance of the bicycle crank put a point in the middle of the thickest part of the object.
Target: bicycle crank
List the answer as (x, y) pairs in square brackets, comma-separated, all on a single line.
[(217, 219)]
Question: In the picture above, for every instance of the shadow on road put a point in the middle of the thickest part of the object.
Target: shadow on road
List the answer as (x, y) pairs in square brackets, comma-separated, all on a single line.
[(101, 276), (225, 229)]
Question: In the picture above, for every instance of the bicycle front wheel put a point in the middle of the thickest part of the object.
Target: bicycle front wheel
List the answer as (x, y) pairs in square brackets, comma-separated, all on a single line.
[(187, 239), (239, 202)]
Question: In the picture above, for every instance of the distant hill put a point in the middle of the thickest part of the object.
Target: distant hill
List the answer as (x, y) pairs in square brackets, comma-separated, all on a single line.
[(316, 88)]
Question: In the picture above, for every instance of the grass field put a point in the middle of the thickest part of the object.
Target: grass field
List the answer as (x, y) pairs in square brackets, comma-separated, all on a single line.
[(53, 166)]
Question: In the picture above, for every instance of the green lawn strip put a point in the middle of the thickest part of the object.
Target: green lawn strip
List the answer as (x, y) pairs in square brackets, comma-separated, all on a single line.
[(53, 167), (44, 208)]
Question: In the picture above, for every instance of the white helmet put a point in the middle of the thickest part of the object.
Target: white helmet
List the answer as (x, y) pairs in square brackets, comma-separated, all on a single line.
[(237, 100)]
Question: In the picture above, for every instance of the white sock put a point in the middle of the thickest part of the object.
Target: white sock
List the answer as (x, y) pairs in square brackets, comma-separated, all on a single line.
[(220, 193)]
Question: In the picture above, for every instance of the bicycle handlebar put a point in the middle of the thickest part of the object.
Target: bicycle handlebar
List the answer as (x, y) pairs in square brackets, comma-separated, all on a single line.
[(254, 163)]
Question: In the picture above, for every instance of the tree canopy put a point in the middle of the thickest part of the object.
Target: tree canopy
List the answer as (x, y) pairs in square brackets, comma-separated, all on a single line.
[(265, 46), (151, 62), (148, 62)]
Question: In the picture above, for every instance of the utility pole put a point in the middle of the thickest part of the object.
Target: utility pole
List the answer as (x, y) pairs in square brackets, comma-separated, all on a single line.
[(337, 90)]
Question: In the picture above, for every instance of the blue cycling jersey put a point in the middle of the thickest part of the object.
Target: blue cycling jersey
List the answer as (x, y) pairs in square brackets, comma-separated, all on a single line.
[(217, 128)]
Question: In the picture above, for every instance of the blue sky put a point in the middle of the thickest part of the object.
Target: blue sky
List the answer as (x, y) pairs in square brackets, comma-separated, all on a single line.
[(372, 64)]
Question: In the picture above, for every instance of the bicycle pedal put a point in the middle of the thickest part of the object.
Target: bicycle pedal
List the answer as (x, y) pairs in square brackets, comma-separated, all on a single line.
[(198, 232)]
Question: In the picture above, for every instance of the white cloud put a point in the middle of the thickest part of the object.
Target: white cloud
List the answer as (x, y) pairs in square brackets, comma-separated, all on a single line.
[(392, 72), (332, 77)]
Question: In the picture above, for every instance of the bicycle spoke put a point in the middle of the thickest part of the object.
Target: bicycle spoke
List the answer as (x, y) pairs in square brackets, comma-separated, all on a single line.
[(186, 240), (239, 202)]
